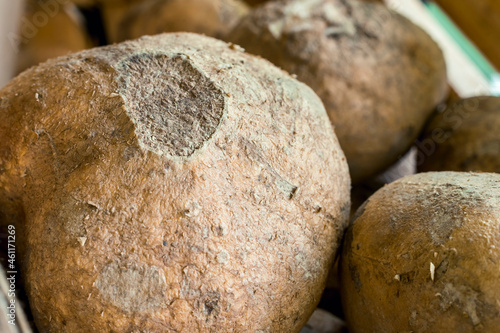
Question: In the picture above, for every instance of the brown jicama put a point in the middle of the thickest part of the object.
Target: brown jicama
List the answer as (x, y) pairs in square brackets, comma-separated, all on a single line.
[(463, 137), (50, 30), (214, 18), (173, 183), (423, 255), (379, 75)]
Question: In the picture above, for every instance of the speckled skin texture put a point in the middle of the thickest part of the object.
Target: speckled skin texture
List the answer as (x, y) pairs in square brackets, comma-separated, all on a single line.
[(463, 137), (379, 75), (171, 184), (214, 18), (423, 255)]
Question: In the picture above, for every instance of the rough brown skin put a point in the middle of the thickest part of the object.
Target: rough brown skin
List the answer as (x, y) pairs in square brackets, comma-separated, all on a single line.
[(330, 300), (171, 184), (379, 75), (213, 18), (449, 219), (464, 137), (63, 33)]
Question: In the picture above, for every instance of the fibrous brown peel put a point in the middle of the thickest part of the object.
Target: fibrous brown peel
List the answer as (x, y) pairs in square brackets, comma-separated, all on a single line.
[(423, 255), (379, 75), (150, 203)]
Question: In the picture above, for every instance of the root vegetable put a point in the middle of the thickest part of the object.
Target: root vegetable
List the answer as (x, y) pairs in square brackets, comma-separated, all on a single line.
[(173, 183)]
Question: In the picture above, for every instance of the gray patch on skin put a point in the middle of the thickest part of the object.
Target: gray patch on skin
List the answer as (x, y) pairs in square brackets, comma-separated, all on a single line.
[(353, 270), (446, 203), (442, 268), (288, 189), (71, 215), (133, 289), (442, 226), (464, 297), (223, 257), (175, 108), (211, 305), (4, 102), (355, 277), (256, 155)]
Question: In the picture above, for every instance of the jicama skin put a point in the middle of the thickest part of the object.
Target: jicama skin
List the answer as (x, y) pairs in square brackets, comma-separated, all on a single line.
[(172, 183), (423, 255), (379, 75)]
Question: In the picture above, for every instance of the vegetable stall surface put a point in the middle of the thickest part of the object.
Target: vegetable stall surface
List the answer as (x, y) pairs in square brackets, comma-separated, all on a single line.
[(172, 183), (379, 75), (423, 255), (322, 321)]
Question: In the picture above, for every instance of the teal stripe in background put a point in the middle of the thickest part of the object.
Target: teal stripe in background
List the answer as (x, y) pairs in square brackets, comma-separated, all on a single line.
[(486, 68)]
